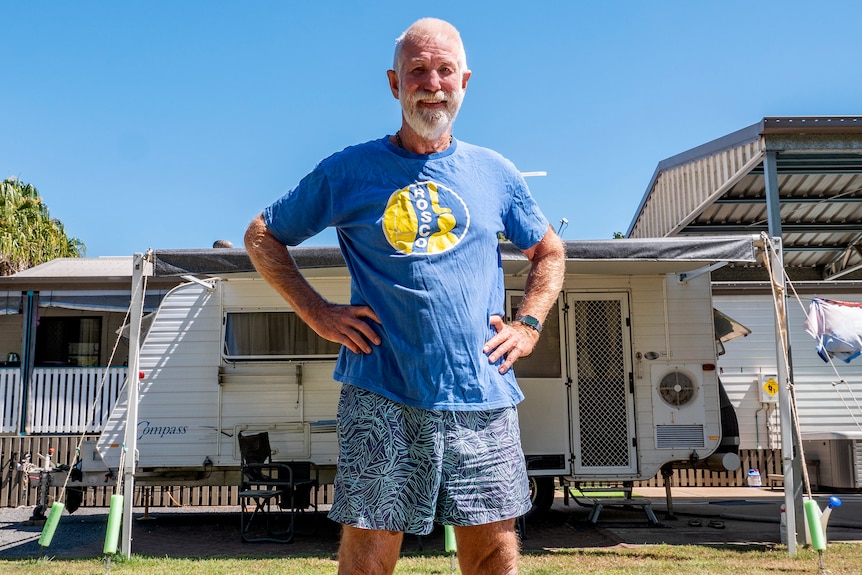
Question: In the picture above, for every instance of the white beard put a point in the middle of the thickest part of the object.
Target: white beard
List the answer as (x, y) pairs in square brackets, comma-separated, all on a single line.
[(431, 124)]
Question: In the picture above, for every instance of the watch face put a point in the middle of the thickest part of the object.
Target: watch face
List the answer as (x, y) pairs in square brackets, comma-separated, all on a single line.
[(530, 321)]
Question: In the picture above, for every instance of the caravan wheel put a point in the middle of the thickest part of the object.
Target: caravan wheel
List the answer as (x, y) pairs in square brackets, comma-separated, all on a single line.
[(541, 494)]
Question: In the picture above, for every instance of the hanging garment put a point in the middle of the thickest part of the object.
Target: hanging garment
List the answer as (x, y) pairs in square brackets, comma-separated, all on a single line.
[(837, 327)]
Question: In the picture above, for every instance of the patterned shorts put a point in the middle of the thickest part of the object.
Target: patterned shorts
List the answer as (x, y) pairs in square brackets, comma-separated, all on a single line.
[(401, 468)]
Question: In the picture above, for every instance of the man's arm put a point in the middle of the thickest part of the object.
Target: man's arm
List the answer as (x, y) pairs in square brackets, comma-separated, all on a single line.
[(344, 324), (544, 282)]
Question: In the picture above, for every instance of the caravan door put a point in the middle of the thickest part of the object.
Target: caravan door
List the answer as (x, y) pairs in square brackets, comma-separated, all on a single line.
[(544, 413), (602, 406)]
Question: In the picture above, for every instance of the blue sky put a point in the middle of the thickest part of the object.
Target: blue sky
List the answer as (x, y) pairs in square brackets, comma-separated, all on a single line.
[(171, 124)]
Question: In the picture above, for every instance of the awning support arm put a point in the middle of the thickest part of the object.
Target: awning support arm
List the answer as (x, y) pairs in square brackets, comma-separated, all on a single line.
[(685, 276)]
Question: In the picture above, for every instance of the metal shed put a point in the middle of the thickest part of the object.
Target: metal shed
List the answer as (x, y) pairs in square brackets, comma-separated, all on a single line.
[(812, 166)]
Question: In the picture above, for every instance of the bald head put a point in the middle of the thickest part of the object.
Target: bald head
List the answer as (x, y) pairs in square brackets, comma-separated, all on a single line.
[(430, 29)]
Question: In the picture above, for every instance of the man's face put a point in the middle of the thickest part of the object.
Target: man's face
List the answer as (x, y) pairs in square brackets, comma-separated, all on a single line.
[(430, 85)]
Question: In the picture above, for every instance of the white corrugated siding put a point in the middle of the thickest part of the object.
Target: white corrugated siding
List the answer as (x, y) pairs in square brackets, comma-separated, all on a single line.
[(189, 412), (178, 407), (823, 404)]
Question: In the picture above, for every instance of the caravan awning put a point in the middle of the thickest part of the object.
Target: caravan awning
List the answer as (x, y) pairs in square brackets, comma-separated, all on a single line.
[(658, 255), (621, 256), (83, 300), (10, 302), (97, 300)]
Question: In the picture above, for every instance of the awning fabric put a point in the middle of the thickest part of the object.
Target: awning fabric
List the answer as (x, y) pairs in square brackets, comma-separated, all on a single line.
[(688, 249), (10, 302), (92, 300)]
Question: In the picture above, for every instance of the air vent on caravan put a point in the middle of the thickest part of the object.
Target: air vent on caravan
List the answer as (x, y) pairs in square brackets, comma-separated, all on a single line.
[(676, 436), (678, 409), (676, 389)]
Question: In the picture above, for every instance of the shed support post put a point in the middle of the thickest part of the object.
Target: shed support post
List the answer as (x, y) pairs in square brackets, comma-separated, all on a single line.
[(789, 451)]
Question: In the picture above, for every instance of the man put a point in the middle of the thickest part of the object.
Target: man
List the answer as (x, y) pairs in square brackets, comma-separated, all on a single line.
[(427, 422)]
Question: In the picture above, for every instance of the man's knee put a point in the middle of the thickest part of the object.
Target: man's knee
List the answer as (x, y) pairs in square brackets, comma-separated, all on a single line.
[(490, 548), (368, 551)]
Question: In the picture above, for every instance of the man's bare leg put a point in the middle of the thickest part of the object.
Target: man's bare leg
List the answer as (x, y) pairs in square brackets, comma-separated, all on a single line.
[(368, 551), (490, 549)]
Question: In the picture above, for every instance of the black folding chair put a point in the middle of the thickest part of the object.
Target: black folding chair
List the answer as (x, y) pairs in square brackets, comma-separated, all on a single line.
[(303, 495), (264, 485)]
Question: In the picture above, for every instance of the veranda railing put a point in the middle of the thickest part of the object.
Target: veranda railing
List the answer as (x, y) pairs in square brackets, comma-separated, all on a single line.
[(59, 400)]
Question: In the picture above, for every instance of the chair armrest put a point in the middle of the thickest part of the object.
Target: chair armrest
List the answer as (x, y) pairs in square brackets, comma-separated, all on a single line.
[(266, 474)]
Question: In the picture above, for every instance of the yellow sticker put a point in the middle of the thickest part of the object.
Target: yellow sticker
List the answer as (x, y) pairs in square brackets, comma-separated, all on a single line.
[(770, 386)]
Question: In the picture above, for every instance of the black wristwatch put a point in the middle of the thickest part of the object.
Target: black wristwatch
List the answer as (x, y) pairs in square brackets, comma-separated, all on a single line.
[(530, 322)]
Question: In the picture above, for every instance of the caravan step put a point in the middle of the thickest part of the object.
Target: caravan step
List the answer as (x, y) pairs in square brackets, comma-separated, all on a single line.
[(600, 503)]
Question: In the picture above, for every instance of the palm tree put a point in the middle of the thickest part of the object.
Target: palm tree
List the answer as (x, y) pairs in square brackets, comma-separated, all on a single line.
[(28, 234)]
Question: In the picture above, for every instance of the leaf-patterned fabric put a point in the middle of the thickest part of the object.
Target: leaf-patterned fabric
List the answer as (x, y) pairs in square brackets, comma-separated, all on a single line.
[(401, 468)]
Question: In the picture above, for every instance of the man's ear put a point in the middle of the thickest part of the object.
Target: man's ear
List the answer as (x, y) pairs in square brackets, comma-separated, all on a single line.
[(465, 77), (393, 82)]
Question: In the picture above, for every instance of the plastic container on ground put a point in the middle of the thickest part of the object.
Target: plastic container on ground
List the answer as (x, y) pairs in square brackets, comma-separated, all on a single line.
[(754, 478)]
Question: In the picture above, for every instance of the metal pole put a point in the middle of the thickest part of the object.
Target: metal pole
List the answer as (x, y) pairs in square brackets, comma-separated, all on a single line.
[(782, 349), (28, 356), (785, 413), (132, 384), (773, 205)]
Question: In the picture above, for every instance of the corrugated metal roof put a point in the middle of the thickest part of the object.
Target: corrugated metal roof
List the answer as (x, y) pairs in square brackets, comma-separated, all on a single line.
[(80, 273), (719, 188), (117, 266)]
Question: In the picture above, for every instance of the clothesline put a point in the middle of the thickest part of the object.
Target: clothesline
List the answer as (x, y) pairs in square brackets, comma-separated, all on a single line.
[(837, 328)]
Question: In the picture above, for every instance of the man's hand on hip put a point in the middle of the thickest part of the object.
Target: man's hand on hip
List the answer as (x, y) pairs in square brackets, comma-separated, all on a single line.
[(345, 324), (512, 341)]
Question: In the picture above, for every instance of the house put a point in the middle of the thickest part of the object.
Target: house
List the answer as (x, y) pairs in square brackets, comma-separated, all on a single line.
[(60, 325)]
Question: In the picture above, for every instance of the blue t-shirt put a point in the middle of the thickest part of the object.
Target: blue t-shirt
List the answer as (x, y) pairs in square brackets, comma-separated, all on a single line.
[(419, 234)]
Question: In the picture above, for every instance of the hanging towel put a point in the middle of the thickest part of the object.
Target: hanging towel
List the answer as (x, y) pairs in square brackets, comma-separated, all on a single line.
[(837, 327)]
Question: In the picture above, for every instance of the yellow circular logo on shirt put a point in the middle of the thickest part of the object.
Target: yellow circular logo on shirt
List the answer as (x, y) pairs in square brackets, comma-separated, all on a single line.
[(425, 218)]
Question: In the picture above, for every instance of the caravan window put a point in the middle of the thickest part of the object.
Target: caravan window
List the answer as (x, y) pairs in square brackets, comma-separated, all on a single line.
[(546, 360), (273, 335)]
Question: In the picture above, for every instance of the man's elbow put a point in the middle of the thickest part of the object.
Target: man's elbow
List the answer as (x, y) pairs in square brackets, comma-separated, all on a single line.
[(550, 258), (556, 247), (255, 233), (550, 247)]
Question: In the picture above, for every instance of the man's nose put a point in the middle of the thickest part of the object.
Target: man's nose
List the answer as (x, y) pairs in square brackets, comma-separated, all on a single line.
[(433, 81)]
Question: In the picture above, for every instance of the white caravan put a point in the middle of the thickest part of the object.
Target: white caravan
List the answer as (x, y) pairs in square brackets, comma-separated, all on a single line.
[(623, 382)]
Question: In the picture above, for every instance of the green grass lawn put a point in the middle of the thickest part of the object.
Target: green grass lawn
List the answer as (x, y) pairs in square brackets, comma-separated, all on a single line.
[(839, 559)]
